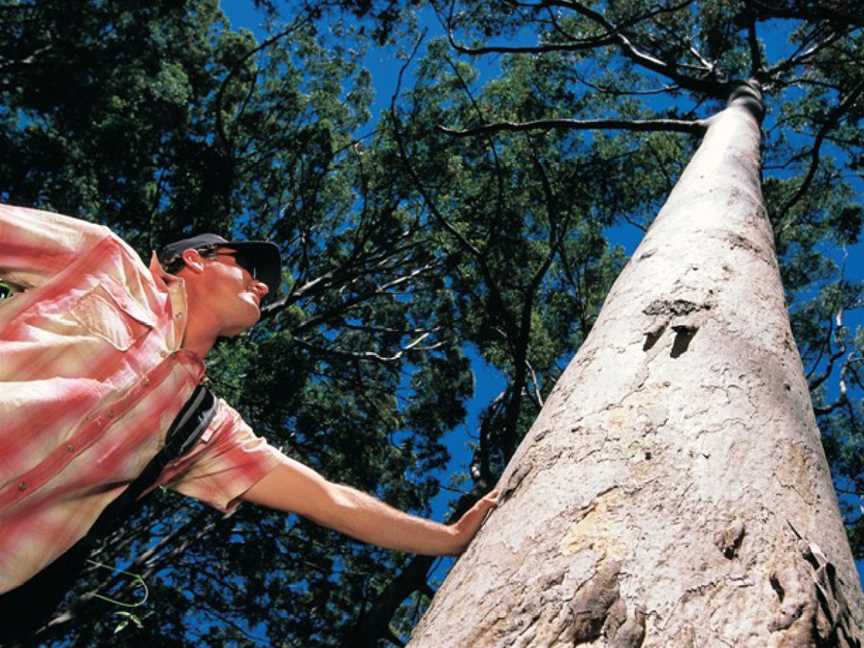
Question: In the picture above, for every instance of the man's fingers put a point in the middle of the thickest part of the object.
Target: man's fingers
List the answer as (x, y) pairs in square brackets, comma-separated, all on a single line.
[(485, 505), (490, 499)]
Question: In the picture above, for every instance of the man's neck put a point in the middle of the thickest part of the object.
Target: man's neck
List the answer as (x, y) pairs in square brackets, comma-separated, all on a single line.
[(200, 335), (199, 346)]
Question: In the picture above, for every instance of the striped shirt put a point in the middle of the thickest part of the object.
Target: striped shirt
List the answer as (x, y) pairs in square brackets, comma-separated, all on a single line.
[(92, 374)]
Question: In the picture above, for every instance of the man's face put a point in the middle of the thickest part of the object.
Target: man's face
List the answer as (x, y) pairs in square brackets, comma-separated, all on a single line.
[(233, 297)]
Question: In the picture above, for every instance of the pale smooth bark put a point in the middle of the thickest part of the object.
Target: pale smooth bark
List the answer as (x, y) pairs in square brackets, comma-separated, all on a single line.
[(673, 490)]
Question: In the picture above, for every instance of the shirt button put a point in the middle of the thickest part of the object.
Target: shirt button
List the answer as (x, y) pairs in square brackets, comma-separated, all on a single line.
[(178, 316), (70, 447), (22, 486), (110, 414), (164, 354), (146, 382)]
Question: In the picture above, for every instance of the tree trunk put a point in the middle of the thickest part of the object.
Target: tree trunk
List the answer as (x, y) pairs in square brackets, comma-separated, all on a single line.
[(673, 490)]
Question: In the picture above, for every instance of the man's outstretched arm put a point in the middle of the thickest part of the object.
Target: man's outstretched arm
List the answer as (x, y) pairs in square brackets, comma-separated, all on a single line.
[(295, 488)]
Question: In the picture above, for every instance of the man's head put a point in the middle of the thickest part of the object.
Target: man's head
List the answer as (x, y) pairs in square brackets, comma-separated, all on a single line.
[(226, 281)]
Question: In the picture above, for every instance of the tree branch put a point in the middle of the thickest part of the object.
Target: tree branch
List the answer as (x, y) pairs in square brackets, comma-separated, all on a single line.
[(696, 127), (757, 65), (830, 123), (816, 11), (623, 93), (538, 397), (711, 87), (530, 49), (350, 303), (823, 376), (371, 355)]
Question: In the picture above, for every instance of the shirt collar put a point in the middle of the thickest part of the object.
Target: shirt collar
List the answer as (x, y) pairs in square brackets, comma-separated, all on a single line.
[(176, 289), (160, 276)]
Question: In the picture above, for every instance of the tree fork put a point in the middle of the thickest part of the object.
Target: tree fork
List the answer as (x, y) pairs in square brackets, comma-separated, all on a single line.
[(673, 490)]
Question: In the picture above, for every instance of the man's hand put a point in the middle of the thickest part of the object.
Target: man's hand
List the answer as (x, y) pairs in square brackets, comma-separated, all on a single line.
[(467, 526)]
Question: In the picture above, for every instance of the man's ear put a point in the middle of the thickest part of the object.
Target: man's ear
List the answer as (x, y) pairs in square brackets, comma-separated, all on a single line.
[(193, 260)]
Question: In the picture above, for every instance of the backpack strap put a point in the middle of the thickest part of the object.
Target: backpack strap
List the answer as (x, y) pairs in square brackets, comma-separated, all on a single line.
[(189, 425)]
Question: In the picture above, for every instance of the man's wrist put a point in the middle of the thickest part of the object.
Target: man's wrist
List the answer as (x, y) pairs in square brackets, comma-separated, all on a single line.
[(456, 541)]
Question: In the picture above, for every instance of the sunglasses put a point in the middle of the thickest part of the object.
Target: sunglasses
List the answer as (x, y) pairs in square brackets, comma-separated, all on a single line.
[(244, 259)]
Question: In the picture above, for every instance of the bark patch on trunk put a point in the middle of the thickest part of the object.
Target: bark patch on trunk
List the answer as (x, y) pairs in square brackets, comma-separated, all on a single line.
[(591, 604), (595, 610), (598, 609), (684, 317), (674, 308), (729, 540), (813, 610)]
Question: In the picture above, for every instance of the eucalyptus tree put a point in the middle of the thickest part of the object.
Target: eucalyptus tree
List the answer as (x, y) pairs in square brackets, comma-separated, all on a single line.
[(673, 489)]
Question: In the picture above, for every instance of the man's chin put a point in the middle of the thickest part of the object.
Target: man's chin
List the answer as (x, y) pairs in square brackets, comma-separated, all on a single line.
[(253, 302), (241, 327)]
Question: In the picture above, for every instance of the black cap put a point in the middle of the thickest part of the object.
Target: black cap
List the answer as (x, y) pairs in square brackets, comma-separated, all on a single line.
[(261, 258)]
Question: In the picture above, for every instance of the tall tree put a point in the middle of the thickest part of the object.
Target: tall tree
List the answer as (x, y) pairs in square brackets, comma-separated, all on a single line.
[(673, 491), (596, 471)]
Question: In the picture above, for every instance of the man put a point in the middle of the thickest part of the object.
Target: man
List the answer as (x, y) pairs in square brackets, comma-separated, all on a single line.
[(98, 356)]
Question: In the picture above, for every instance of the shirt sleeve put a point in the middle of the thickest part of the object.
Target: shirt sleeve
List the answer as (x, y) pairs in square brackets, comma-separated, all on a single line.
[(35, 245), (227, 462)]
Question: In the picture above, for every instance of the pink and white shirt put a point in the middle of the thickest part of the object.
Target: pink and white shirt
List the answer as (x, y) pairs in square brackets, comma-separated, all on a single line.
[(92, 374)]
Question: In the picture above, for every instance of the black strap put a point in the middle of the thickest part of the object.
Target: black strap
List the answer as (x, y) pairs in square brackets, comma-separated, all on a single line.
[(27, 607), (188, 426)]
